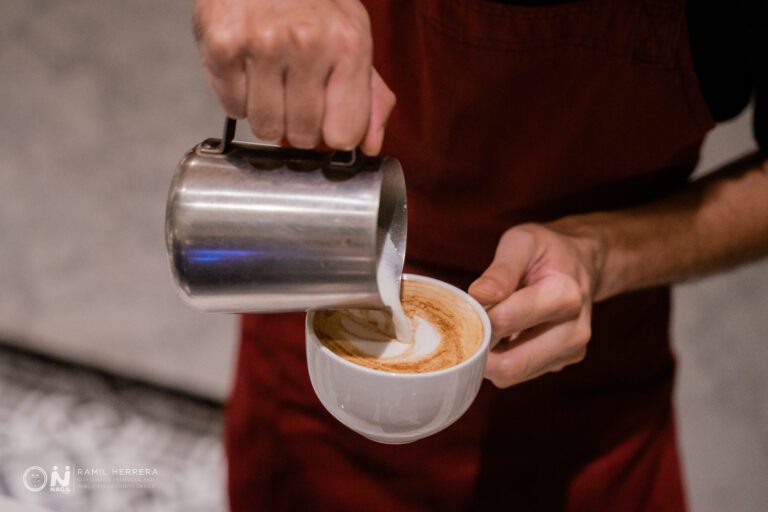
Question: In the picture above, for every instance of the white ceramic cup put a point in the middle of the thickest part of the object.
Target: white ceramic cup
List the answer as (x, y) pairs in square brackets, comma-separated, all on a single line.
[(396, 408)]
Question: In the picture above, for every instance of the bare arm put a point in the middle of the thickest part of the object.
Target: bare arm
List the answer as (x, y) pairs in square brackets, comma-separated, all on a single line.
[(718, 222), (545, 277)]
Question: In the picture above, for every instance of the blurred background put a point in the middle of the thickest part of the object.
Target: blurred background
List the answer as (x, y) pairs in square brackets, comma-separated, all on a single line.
[(103, 366)]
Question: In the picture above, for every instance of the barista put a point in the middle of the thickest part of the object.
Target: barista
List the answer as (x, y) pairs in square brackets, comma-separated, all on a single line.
[(548, 150)]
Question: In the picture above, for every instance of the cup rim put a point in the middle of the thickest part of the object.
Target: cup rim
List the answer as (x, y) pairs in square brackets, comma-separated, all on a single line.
[(480, 352)]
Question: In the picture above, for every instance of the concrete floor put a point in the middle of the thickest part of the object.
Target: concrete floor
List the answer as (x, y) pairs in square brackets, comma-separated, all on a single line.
[(98, 99), (67, 416)]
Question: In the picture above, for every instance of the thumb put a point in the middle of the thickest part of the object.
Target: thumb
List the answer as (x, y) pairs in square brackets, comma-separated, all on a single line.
[(499, 281), (382, 102)]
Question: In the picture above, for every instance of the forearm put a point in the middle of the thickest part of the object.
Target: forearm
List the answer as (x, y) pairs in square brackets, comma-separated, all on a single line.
[(717, 222)]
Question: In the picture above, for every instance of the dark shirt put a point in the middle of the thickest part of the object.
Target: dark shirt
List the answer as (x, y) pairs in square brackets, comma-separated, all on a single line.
[(729, 46)]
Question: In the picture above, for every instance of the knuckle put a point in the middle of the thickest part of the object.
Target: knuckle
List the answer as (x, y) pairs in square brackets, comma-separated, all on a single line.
[(511, 234), (305, 35), (389, 99), (520, 236), (223, 44), (578, 356), (582, 334), (264, 42), (564, 293), (569, 295), (499, 373), (359, 15), (522, 369), (500, 383), (350, 38)]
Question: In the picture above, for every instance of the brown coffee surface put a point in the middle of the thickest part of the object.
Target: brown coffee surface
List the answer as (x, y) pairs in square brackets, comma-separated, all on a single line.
[(458, 325)]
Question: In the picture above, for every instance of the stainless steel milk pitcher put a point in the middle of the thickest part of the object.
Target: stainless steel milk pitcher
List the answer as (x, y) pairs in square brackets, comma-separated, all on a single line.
[(256, 228)]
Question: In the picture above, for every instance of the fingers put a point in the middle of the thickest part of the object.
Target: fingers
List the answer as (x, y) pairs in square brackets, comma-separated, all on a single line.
[(552, 298), (549, 348), (231, 92), (222, 43), (514, 256), (266, 98), (348, 102), (504, 275), (305, 83), (541, 304), (498, 281), (382, 102), (300, 70)]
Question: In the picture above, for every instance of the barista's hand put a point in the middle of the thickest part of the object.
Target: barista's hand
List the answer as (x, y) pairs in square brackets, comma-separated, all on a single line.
[(299, 69), (540, 287)]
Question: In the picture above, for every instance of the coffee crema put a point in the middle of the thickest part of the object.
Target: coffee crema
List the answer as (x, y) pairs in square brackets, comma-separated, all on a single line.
[(446, 331)]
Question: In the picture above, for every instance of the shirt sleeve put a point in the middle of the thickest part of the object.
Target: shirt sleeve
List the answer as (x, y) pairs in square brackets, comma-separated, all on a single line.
[(729, 42), (759, 72)]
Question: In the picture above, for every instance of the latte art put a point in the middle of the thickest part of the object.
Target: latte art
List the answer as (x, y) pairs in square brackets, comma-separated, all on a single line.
[(371, 332), (445, 331)]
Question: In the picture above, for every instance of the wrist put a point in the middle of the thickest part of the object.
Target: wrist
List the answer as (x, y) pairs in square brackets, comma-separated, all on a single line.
[(589, 234)]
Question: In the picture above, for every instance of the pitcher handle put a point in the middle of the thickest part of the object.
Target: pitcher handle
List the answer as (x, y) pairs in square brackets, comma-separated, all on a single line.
[(339, 159)]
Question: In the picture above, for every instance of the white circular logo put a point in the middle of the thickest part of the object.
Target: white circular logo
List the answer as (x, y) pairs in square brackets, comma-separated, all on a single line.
[(35, 478)]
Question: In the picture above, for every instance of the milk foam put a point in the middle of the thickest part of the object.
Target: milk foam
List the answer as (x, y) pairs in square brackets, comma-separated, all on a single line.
[(446, 331), (367, 332), (388, 280)]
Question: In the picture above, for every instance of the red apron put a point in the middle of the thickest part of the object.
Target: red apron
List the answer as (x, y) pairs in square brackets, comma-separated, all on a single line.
[(505, 114)]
